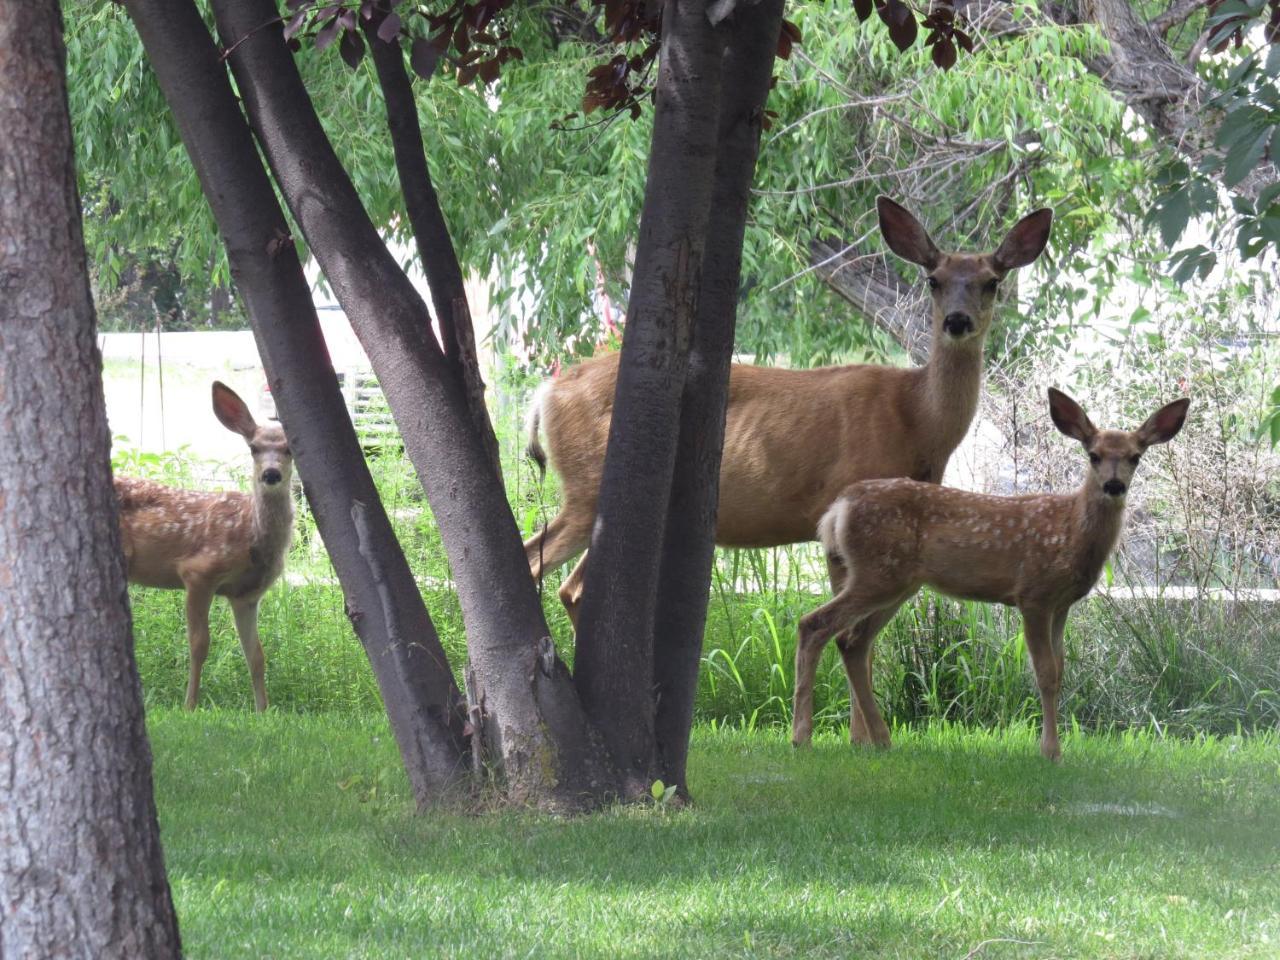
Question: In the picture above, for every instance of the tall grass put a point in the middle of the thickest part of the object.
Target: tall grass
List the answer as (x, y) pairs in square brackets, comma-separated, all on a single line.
[(1177, 666)]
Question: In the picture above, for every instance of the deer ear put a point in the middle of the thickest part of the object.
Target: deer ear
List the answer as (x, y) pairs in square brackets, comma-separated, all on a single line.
[(1069, 418), (232, 412), (1163, 425), (904, 234), (1025, 241)]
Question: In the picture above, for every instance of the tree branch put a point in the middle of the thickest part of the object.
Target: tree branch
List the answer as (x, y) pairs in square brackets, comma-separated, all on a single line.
[(1180, 11), (435, 246), (877, 291)]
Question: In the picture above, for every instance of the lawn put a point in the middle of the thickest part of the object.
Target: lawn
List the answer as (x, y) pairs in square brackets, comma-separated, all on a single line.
[(292, 835)]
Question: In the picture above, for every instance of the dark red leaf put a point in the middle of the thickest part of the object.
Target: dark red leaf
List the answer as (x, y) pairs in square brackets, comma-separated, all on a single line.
[(328, 33), (389, 28), (295, 23), (423, 57), (791, 30), (965, 41), (863, 8), (512, 53), (944, 53), (901, 22), (351, 48), (295, 4), (441, 41), (784, 46), (366, 9), (467, 74), (348, 19), (461, 40), (489, 71)]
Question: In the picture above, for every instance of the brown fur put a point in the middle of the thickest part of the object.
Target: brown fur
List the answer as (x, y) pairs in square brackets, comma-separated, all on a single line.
[(1040, 553), (229, 544), (795, 438)]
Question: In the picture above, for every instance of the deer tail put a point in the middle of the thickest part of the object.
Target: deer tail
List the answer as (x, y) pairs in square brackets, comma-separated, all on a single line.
[(533, 420)]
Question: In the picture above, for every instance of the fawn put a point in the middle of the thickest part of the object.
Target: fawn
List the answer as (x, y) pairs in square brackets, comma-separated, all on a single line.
[(795, 438), (1039, 552), (231, 544)]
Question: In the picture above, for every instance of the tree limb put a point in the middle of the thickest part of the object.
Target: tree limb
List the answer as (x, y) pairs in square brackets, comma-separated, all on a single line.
[(1180, 11), (877, 291), (435, 246)]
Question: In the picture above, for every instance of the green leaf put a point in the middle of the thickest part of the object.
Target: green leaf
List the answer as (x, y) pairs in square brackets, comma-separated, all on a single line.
[(658, 789), (1243, 157)]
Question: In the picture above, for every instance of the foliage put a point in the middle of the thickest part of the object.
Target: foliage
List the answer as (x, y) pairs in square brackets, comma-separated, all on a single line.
[(1249, 101), (549, 216), (295, 836)]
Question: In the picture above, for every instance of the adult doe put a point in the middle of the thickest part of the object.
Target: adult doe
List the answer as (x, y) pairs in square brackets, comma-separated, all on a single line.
[(1039, 552), (795, 438), (232, 544)]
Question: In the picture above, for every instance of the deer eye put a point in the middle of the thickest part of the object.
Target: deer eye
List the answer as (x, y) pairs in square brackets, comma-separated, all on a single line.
[(1094, 458), (992, 285), (1135, 458), (933, 282)]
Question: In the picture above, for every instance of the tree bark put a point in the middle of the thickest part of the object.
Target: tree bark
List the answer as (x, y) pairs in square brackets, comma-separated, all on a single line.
[(423, 703), (877, 291), (613, 664), (532, 721), (435, 247), (81, 868), (689, 539)]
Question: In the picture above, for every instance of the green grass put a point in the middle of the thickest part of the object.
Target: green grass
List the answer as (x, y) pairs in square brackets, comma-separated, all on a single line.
[(293, 836)]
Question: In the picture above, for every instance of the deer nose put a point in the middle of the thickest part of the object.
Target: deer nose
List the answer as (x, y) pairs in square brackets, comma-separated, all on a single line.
[(271, 476), (957, 324), (1113, 488)]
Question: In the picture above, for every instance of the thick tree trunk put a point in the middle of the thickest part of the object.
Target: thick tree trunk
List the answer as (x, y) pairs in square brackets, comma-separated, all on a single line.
[(613, 666), (877, 291), (435, 247), (81, 869), (532, 721), (423, 702), (689, 540)]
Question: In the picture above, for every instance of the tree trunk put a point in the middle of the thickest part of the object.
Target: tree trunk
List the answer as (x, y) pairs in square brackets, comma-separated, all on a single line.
[(613, 665), (689, 540), (81, 869), (423, 702), (435, 248), (532, 721)]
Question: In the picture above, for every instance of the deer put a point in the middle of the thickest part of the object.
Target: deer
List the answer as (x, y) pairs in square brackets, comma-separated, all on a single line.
[(795, 438), (230, 544), (1038, 552)]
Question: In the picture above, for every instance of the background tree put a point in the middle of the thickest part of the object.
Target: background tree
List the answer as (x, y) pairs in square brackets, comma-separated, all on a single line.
[(81, 870)]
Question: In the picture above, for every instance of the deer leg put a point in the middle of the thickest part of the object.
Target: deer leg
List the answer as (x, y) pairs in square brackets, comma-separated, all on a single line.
[(246, 614), (849, 643), (1059, 628), (568, 533), (838, 574), (812, 636), (571, 589), (849, 607), (199, 597), (1037, 627)]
